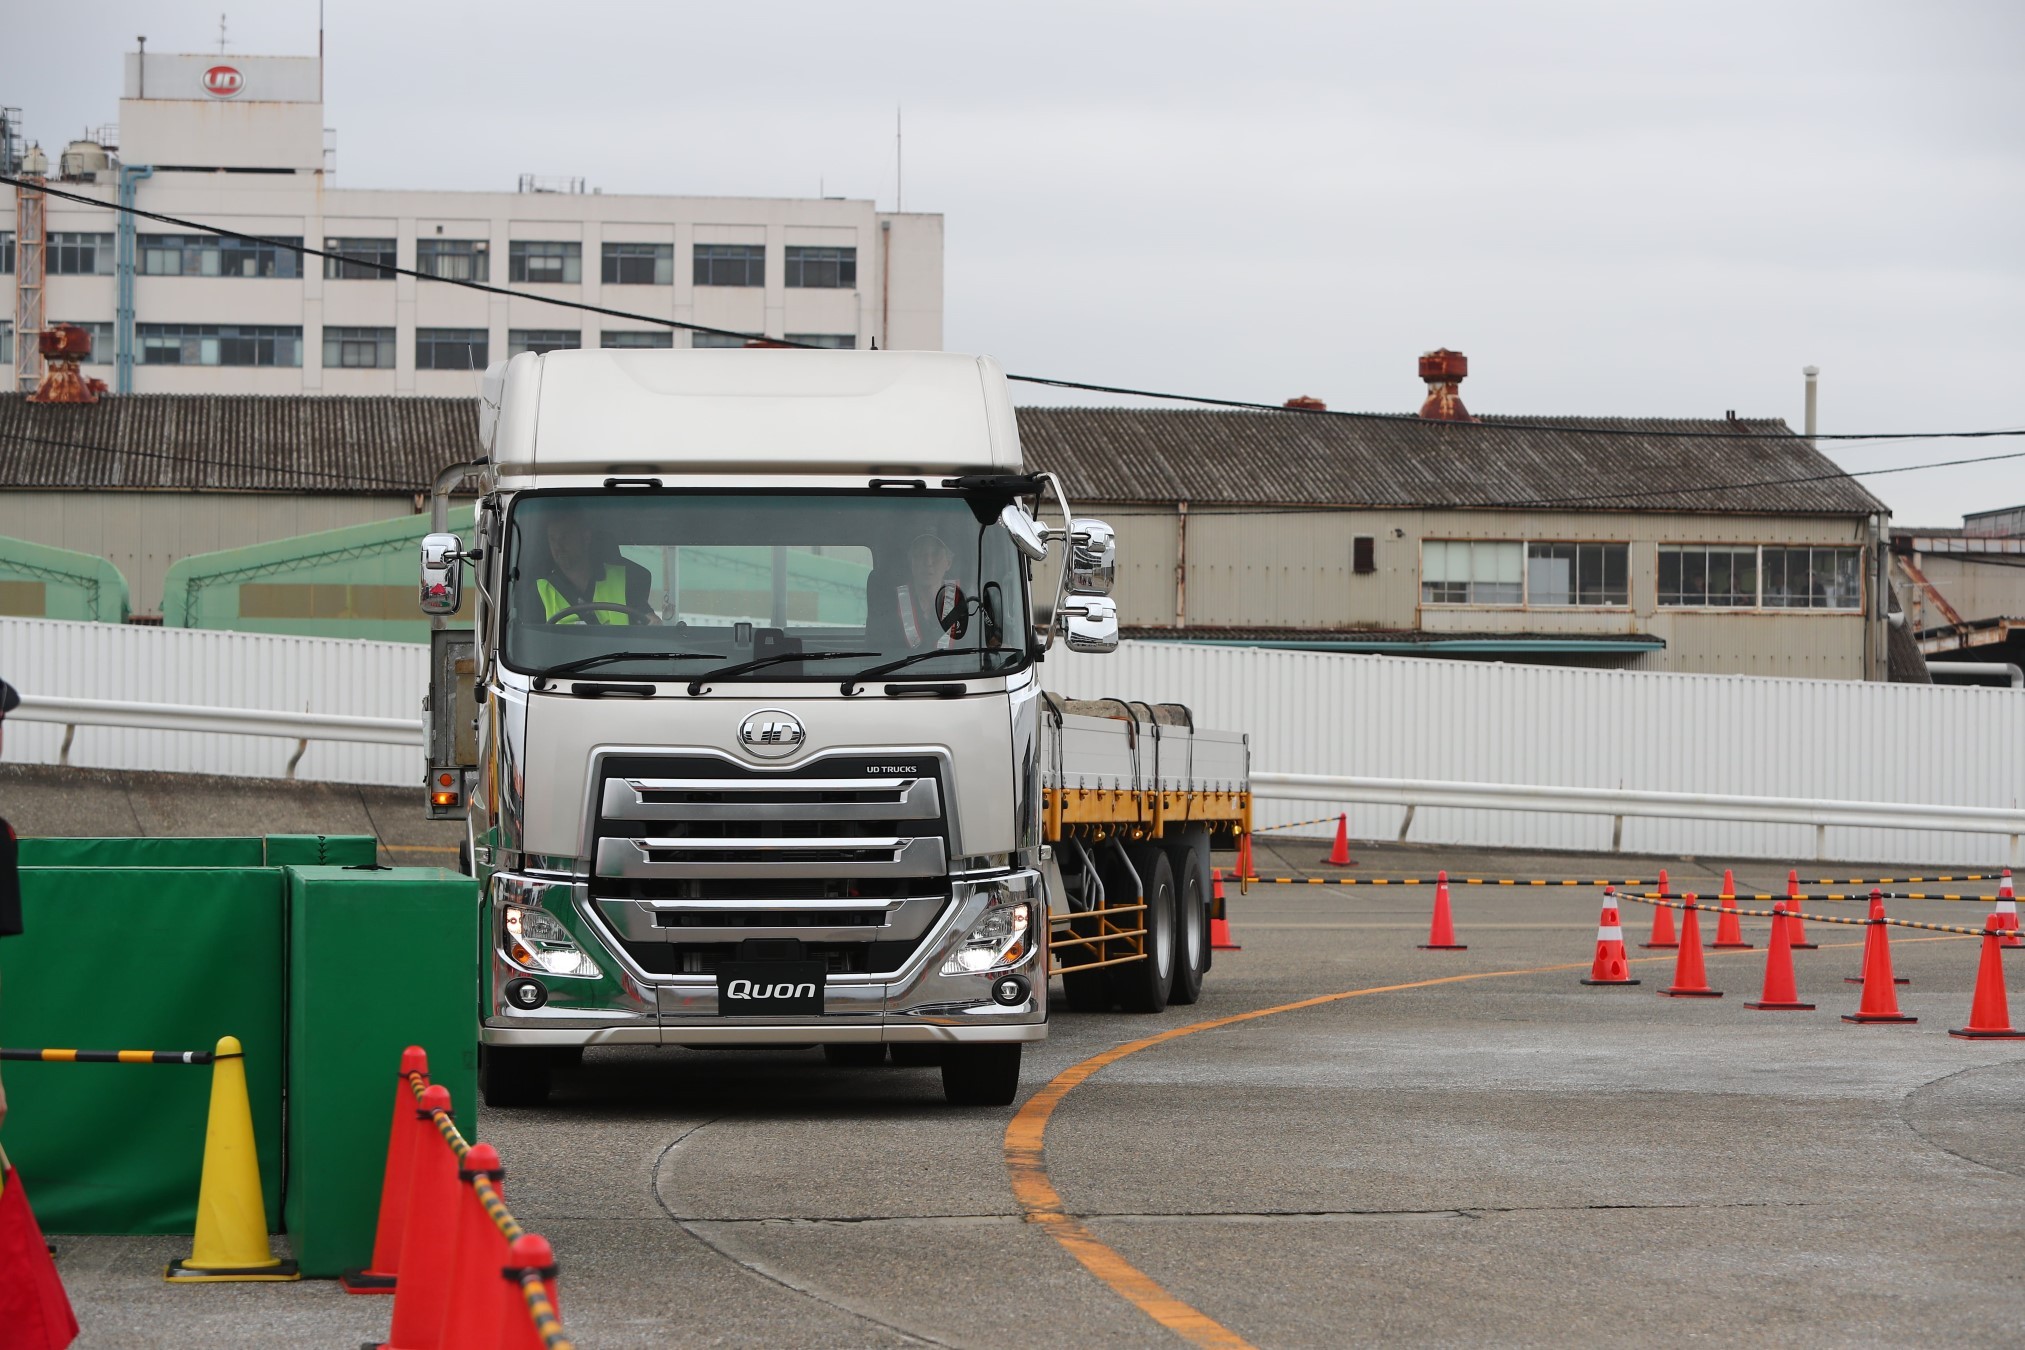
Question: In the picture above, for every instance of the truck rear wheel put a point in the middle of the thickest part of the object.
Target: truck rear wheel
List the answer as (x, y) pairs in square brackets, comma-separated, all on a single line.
[(1191, 918), (1141, 986), (514, 1075), (981, 1075)]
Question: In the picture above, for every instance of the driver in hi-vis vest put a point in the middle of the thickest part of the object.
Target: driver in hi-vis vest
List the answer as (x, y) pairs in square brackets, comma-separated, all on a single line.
[(586, 581)]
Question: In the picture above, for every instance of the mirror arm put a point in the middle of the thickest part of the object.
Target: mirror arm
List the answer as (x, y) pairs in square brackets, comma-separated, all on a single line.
[(1062, 580)]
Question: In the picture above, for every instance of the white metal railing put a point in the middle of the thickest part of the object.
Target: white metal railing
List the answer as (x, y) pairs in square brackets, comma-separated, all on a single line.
[(1618, 803), (302, 727)]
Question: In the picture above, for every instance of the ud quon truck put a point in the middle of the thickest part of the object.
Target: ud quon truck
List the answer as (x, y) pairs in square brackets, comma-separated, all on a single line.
[(750, 732)]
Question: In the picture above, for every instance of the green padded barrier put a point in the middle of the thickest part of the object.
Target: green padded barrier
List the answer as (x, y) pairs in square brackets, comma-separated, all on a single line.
[(56, 851), (378, 961), (322, 850), (138, 959)]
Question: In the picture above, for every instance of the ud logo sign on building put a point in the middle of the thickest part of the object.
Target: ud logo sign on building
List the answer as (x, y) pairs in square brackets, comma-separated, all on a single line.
[(223, 82)]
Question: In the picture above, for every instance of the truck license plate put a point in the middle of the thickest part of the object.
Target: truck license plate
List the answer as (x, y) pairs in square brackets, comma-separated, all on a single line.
[(770, 988)]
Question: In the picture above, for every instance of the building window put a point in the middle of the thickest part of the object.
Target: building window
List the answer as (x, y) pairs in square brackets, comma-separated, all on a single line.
[(454, 259), (1363, 555), (826, 268), (207, 255), (1578, 574), (731, 265), (1695, 576), (722, 339), (6, 342), (638, 265), (520, 340), (102, 340), (554, 262), (364, 260), (1472, 572), (842, 342), (634, 341), (358, 348), (73, 254), (215, 344), (450, 349), (6, 251), (1813, 578)]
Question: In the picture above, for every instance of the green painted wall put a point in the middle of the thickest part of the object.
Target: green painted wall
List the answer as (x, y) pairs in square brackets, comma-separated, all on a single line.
[(41, 582)]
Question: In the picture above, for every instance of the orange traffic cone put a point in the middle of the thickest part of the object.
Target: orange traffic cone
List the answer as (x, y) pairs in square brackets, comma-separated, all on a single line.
[(1880, 998), (2006, 915), (1219, 926), (1609, 966), (1781, 995), (471, 1317), (1729, 928), (1690, 980), (529, 1254), (422, 1295), (1441, 932), (1990, 1010), (378, 1276), (1870, 939), (1796, 932), (1339, 856), (1662, 923)]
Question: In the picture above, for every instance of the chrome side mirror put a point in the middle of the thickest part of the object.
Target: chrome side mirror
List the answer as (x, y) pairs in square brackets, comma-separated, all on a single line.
[(1029, 536), (1091, 624), (442, 574), (1093, 557)]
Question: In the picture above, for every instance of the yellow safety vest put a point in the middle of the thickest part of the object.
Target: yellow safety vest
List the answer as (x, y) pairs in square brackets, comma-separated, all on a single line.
[(610, 590)]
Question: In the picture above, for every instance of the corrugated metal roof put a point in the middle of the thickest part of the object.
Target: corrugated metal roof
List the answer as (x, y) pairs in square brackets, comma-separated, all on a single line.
[(1153, 455), (235, 443)]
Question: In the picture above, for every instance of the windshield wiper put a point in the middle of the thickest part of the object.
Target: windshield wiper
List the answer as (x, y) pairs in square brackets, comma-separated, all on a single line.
[(600, 658), (850, 685), (696, 685)]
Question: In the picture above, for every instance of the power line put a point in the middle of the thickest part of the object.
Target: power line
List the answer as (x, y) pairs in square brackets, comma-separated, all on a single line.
[(1123, 391)]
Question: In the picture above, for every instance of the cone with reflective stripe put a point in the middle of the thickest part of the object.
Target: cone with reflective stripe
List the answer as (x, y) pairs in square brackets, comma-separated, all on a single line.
[(422, 1295), (1871, 936), (1729, 928), (1880, 998), (1441, 931), (1610, 966), (1690, 979), (1796, 931), (1781, 994), (377, 1277), (2006, 916), (1339, 856), (1662, 938), (231, 1242), (1219, 926), (530, 1253), (471, 1319), (1990, 1009)]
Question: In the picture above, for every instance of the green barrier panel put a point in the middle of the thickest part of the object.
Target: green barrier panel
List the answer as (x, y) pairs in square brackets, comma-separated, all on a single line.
[(322, 850), (138, 959), (378, 961), (54, 851)]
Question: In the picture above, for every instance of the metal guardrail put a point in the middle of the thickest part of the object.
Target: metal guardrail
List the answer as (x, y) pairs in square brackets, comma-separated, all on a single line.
[(1618, 803), (302, 727)]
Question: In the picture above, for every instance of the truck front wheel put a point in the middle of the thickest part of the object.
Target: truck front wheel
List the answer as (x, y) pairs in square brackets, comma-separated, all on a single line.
[(981, 1075), (513, 1075)]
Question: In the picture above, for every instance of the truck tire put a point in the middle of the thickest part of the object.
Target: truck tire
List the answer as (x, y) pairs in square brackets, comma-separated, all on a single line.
[(464, 858), (856, 1054), (1086, 991), (1141, 986), (513, 1075), (981, 1075), (1191, 922)]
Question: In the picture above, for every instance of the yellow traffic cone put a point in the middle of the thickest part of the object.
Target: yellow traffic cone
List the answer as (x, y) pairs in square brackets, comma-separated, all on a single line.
[(231, 1241)]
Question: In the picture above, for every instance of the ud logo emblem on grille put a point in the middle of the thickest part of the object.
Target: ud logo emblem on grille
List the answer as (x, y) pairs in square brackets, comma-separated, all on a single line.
[(771, 733)]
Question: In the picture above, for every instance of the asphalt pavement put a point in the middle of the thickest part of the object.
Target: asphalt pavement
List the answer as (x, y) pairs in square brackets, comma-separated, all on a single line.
[(1513, 1159)]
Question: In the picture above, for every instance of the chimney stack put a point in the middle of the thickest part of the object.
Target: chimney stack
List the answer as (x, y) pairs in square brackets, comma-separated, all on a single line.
[(1444, 371)]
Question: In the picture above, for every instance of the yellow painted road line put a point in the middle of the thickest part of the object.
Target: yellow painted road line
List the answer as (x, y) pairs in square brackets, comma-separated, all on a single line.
[(1026, 1148)]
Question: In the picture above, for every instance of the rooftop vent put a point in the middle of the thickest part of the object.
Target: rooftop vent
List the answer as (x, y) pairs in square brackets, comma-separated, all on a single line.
[(1444, 371), (1305, 403)]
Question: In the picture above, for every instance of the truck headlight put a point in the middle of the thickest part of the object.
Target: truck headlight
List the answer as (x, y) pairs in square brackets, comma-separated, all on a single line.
[(535, 939), (999, 939)]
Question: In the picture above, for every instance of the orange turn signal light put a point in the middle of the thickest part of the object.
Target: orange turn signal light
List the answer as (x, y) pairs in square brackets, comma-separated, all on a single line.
[(443, 798)]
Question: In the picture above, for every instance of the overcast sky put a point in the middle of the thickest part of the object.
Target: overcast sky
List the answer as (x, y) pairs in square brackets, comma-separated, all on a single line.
[(1612, 208)]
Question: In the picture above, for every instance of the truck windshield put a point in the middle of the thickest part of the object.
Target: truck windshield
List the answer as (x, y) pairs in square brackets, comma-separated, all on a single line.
[(673, 584)]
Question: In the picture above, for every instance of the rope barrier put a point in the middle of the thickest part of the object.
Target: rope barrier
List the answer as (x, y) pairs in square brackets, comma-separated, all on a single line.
[(533, 1281), (1700, 907), (116, 1056), (1295, 824), (1629, 881)]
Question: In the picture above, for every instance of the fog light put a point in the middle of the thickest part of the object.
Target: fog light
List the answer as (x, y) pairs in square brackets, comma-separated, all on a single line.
[(999, 939), (525, 994), (1011, 990), (537, 940)]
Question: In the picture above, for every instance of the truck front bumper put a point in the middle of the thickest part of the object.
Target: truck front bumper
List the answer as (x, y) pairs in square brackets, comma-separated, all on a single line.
[(626, 1005)]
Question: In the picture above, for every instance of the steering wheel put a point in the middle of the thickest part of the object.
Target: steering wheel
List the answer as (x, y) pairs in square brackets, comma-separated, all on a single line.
[(589, 605)]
